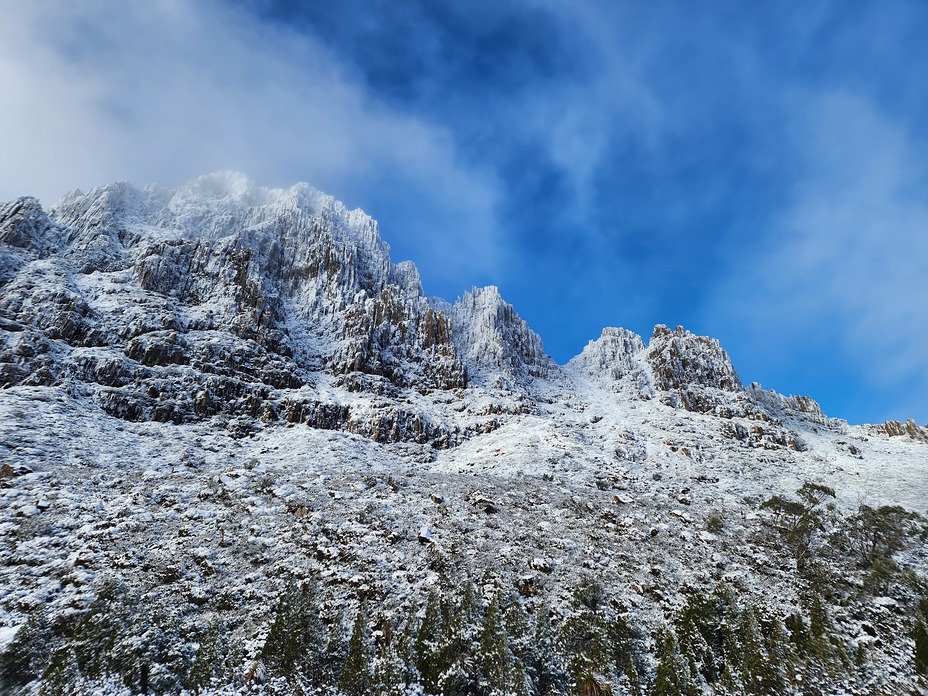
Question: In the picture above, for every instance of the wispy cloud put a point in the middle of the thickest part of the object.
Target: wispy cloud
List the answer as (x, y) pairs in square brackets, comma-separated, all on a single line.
[(845, 274), (753, 171), (163, 91)]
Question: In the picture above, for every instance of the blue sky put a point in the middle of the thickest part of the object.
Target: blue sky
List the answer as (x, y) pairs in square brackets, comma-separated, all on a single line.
[(752, 171)]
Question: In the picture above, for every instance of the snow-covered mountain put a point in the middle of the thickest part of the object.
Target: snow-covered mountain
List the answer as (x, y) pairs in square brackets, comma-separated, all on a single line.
[(212, 392)]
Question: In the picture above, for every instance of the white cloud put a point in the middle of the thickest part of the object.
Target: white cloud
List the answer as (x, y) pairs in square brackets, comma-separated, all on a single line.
[(166, 90), (849, 268)]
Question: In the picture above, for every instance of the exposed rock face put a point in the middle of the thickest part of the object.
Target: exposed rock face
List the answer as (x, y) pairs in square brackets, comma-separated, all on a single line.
[(616, 359), (495, 342), (613, 354), (679, 359), (213, 299), (909, 429), (222, 298), (695, 372)]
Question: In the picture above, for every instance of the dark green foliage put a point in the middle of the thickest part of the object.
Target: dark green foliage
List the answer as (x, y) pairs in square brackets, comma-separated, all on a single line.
[(210, 663), (62, 677), (95, 637), (920, 636), (875, 534), (601, 650), (543, 665), (517, 629), (428, 646), (27, 655), (294, 643), (460, 643), (722, 642), (672, 677), (119, 638), (357, 676), (495, 662), (798, 521), (392, 671)]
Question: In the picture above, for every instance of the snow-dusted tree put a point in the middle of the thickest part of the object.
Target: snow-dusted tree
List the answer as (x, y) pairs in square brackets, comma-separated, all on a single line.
[(357, 675), (672, 677), (210, 661), (459, 643), (920, 636), (428, 645), (585, 640), (295, 641), (389, 667), (63, 676), (758, 674), (519, 634), (494, 662), (543, 665), (27, 655)]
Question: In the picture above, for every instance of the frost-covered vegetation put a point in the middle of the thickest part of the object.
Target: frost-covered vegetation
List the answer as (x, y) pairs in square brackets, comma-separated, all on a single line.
[(241, 451)]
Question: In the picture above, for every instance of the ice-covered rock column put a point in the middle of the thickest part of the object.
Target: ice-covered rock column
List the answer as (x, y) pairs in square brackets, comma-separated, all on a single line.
[(494, 341), (695, 371)]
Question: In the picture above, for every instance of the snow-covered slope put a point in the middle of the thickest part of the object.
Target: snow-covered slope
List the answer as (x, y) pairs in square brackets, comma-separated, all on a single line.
[(207, 393)]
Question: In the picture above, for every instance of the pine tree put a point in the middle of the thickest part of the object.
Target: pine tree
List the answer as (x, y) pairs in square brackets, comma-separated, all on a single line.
[(459, 644), (295, 640), (406, 655), (780, 658), (695, 626), (521, 685), (210, 660), (757, 674), (516, 625), (95, 637), (920, 634), (428, 646), (28, 654), (672, 675), (357, 677), (494, 669), (390, 669), (62, 677), (543, 667), (624, 643)]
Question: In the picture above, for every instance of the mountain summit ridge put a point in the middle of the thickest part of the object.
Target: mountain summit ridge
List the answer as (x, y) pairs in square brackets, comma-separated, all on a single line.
[(224, 408), (222, 254)]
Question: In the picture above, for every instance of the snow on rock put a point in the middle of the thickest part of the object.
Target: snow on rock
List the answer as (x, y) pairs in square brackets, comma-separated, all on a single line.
[(211, 392), (495, 342)]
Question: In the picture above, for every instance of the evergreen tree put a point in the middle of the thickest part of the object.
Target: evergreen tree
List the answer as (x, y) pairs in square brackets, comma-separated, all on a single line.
[(357, 677), (427, 649), (799, 636), (517, 628), (520, 686), (62, 677), (758, 676), (920, 634), (695, 626), (543, 667), (406, 652), (459, 644), (672, 676), (390, 671), (780, 658), (294, 643), (494, 669), (95, 636), (210, 661), (27, 655), (586, 640)]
